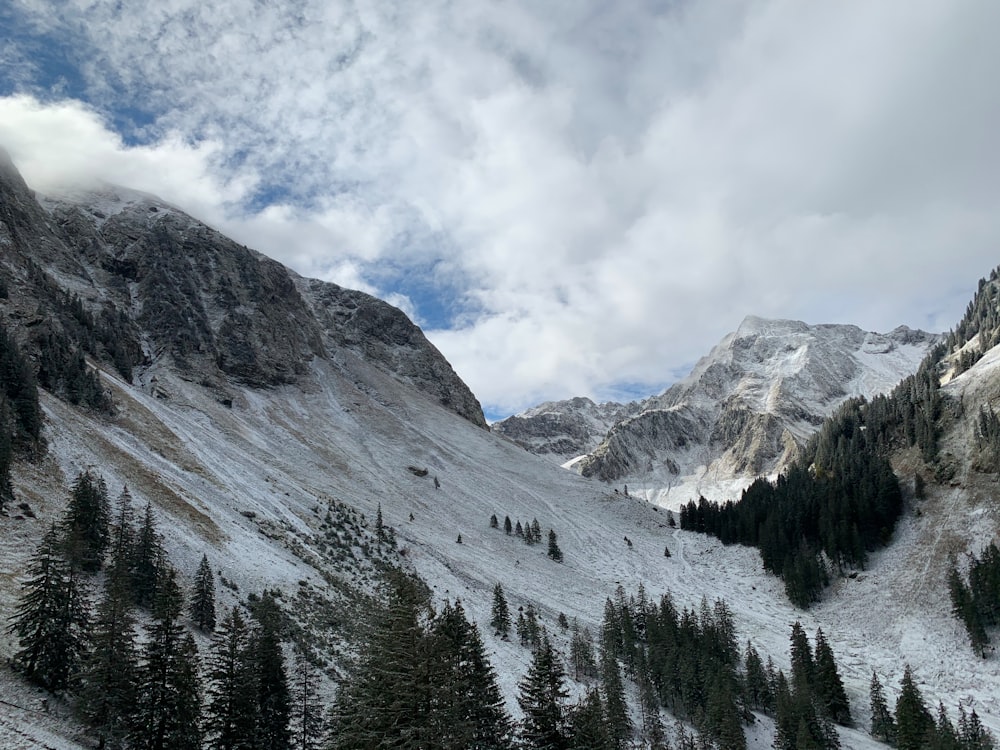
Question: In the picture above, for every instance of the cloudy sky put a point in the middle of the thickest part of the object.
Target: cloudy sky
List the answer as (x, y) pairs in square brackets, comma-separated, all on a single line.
[(571, 197)]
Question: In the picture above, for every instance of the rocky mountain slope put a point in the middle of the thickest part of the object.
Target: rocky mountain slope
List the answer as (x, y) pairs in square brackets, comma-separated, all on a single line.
[(182, 293), (276, 470), (744, 411)]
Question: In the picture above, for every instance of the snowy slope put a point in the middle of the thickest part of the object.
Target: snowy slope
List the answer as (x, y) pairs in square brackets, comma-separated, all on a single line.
[(280, 453)]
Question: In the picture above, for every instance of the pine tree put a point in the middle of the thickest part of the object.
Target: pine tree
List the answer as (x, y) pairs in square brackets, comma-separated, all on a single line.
[(554, 552), (307, 712), (803, 667), (467, 708), (541, 697), (147, 560), (506, 525), (914, 723), (231, 712), (581, 653), (494, 523), (616, 710), (883, 724), (109, 678), (202, 608), (386, 697), (500, 613), (944, 737), (122, 540), (169, 715), (518, 531), (971, 732), (379, 524), (536, 531), (86, 522), (273, 696), (52, 618), (829, 687), (757, 688), (587, 728)]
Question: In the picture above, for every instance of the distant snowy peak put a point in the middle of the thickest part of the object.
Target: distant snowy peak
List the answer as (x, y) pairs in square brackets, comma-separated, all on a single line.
[(748, 406), (562, 430), (745, 409)]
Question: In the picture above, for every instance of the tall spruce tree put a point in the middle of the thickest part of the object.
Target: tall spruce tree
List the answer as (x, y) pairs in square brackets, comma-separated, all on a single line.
[(385, 700), (273, 696), (467, 708), (169, 715), (148, 560), (307, 712), (554, 552), (231, 711), (52, 618), (829, 688), (971, 732), (500, 613), (86, 522), (541, 697), (109, 694), (587, 727), (914, 724), (202, 609), (883, 725), (615, 707)]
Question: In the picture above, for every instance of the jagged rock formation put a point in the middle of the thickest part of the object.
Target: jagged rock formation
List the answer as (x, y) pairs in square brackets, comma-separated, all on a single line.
[(562, 430), (745, 409), (177, 290)]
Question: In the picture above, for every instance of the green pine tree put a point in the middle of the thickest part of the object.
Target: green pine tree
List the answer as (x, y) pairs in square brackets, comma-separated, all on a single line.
[(169, 715), (554, 552), (829, 688), (541, 697), (914, 724), (500, 613), (273, 695), (307, 711), (883, 725), (587, 727), (615, 707), (231, 710), (86, 522), (202, 608), (52, 618)]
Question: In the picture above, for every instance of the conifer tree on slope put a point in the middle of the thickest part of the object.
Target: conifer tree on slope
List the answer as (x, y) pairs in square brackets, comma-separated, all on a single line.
[(616, 710), (883, 725), (202, 609), (384, 701), (307, 712), (541, 697), (914, 723), (467, 706), (554, 552), (829, 688), (588, 730), (86, 523), (148, 560), (169, 715), (109, 679), (273, 696), (500, 613), (231, 713), (52, 618)]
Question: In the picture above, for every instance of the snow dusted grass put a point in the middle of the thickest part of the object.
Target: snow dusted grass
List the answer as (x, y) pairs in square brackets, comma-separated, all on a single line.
[(249, 486)]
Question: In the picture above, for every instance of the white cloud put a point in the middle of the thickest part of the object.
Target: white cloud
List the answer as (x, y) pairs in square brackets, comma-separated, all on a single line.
[(612, 187)]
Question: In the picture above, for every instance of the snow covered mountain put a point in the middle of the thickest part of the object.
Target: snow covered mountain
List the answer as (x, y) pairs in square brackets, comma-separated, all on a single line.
[(268, 417), (744, 411)]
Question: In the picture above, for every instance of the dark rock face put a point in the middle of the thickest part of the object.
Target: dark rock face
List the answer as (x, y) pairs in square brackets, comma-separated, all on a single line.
[(384, 335), (561, 429), (181, 290)]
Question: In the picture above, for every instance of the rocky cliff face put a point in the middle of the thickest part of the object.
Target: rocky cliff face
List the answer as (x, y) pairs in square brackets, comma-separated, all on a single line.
[(562, 430), (745, 409), (179, 290)]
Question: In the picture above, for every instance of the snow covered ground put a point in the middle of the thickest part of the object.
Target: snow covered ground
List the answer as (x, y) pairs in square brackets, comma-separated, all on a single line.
[(219, 477)]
